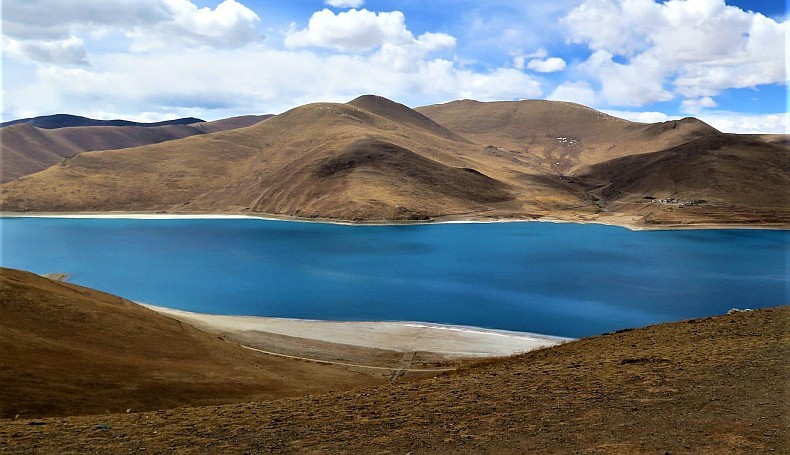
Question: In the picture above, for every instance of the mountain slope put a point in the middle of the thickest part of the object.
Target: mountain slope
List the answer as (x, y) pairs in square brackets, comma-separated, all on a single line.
[(279, 166), (563, 136), (724, 175), (27, 149), (705, 386), (68, 350), (612, 165), (401, 114)]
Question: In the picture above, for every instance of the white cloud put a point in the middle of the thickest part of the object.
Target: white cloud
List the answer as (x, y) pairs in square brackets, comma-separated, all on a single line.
[(345, 3), (642, 117), (360, 31), (549, 65), (500, 84), (351, 31), (56, 19), (695, 106), (634, 84), (230, 24), (728, 122), (52, 31), (252, 79), (577, 92), (69, 51), (696, 48), (733, 122), (336, 57), (520, 58)]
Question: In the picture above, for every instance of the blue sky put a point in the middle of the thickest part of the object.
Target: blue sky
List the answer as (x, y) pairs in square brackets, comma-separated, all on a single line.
[(643, 60)]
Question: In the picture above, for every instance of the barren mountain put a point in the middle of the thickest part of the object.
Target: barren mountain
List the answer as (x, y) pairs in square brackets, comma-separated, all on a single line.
[(704, 386), (67, 350), (563, 136), (319, 160), (727, 176), (376, 160), (28, 148)]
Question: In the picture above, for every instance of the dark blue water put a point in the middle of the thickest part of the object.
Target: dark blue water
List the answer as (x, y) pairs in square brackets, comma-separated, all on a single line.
[(560, 279)]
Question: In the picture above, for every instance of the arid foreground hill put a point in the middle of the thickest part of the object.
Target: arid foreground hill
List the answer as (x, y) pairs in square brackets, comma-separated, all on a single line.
[(373, 160), (69, 350), (705, 386)]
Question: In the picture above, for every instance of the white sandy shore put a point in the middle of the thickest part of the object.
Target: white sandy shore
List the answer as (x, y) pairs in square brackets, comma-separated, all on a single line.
[(626, 222), (448, 340), (214, 216), (210, 216)]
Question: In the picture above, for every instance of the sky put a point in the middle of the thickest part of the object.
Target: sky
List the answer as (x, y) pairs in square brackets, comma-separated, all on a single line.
[(644, 60)]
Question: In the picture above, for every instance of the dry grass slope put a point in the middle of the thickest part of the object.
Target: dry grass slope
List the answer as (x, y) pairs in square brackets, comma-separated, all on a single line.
[(705, 386), (67, 350)]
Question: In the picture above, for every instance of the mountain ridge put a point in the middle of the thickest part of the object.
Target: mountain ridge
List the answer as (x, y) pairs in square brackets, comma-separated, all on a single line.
[(55, 121), (543, 159), (27, 149)]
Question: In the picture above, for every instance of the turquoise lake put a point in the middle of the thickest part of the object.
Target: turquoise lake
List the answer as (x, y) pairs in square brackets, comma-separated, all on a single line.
[(560, 279)]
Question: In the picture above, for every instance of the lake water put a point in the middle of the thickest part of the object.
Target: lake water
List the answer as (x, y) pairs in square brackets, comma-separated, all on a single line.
[(559, 279)]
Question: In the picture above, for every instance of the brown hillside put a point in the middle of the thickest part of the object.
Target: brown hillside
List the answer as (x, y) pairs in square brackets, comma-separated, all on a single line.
[(705, 386), (459, 160), (231, 123), (67, 350), (273, 167), (27, 149), (712, 166), (740, 173), (401, 114), (563, 136)]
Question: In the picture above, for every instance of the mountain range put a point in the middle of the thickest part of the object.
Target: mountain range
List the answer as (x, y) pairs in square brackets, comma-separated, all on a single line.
[(31, 145), (375, 160), (67, 121)]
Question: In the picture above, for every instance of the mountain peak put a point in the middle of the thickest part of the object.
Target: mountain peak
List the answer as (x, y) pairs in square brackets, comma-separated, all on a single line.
[(401, 113)]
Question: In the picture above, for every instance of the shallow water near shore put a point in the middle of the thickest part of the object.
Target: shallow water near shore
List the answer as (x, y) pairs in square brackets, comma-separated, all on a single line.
[(559, 279)]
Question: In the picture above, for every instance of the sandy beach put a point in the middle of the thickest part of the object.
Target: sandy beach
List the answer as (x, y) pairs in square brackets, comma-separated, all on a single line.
[(611, 219), (451, 342)]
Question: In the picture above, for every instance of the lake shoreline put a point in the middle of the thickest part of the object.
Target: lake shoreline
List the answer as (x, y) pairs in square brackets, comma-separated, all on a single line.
[(450, 341), (448, 219)]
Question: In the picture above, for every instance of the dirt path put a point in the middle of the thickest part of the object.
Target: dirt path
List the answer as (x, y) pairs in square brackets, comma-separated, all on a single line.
[(354, 365)]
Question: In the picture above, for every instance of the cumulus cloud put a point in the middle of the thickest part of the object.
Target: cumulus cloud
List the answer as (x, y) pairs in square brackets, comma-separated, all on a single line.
[(644, 51), (69, 51), (253, 79), (577, 92), (729, 122), (641, 117), (634, 84), (52, 31), (363, 30), (230, 24), (733, 122), (55, 19), (351, 31), (345, 3), (695, 106), (549, 65)]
